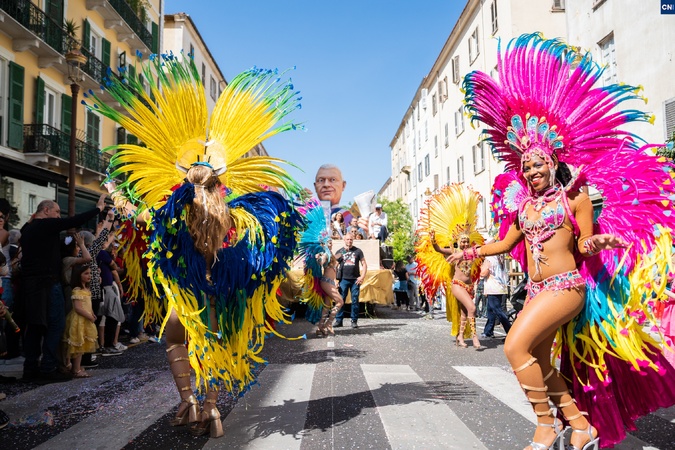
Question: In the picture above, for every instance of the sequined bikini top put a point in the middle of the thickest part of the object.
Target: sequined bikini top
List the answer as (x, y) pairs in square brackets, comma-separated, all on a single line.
[(552, 208)]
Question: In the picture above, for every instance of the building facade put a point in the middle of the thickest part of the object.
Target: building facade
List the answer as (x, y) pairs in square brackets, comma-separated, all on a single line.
[(634, 42), (435, 144), (36, 118)]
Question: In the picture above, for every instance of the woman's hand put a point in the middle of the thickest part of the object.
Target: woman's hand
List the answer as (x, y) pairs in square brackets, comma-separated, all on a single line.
[(608, 241), (455, 257)]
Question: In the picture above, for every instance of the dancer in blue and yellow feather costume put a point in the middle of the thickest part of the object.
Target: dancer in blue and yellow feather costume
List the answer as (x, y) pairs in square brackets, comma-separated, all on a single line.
[(221, 237), (319, 284)]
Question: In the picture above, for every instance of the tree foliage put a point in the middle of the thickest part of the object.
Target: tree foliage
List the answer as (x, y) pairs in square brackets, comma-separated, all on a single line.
[(400, 225)]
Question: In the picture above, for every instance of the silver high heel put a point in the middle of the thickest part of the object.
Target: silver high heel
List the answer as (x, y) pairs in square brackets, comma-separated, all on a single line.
[(590, 445), (559, 441)]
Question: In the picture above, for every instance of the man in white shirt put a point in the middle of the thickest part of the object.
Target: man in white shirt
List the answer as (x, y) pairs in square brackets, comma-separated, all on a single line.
[(494, 288), (413, 282), (377, 224)]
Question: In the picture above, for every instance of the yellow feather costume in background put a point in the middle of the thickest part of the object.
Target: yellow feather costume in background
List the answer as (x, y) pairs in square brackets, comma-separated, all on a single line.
[(451, 213)]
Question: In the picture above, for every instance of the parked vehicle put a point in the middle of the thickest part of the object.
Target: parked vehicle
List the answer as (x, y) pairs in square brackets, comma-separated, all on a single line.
[(517, 299)]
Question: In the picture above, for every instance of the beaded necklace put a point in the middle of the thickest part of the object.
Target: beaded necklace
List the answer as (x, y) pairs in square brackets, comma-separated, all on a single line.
[(551, 217)]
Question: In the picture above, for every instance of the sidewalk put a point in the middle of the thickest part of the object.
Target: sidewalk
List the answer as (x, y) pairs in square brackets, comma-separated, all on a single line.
[(12, 367)]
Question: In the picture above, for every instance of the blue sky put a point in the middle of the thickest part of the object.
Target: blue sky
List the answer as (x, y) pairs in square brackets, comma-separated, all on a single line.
[(358, 66)]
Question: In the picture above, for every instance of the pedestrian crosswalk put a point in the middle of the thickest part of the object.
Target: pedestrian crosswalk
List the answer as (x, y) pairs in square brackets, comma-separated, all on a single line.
[(397, 404)]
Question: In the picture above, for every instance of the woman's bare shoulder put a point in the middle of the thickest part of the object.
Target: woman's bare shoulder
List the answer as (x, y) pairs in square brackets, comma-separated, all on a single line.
[(577, 197)]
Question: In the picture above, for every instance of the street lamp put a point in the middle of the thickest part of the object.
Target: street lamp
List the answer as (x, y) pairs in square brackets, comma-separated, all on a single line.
[(75, 60)]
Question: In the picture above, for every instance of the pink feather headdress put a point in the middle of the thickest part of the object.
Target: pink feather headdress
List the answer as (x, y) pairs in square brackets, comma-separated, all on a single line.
[(544, 103)]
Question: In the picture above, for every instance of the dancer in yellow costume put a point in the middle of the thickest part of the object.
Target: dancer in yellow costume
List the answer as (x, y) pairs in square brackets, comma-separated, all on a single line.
[(449, 220), (221, 238)]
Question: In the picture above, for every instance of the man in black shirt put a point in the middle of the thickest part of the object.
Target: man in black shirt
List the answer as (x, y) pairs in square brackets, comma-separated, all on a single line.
[(41, 290), (351, 259)]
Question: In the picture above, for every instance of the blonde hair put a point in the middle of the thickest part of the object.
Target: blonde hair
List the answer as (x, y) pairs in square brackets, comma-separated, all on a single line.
[(208, 218)]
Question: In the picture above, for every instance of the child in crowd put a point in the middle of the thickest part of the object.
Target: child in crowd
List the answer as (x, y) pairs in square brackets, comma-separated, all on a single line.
[(80, 335)]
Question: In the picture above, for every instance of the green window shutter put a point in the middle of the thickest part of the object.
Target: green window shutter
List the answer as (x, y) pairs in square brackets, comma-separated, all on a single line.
[(93, 129), (131, 139), (15, 135), (132, 71), (39, 101), (54, 9), (86, 35), (66, 113), (105, 57), (155, 38)]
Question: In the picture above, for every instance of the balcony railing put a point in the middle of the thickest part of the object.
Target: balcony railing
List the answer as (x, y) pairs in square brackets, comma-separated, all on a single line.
[(42, 138), (39, 23), (94, 67), (130, 17)]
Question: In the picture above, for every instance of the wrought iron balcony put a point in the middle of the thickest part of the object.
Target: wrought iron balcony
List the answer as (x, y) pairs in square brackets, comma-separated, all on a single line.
[(130, 17), (39, 23), (43, 138)]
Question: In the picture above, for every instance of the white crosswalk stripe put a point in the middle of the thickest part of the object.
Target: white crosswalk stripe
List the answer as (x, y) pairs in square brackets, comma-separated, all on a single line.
[(423, 424), (282, 388)]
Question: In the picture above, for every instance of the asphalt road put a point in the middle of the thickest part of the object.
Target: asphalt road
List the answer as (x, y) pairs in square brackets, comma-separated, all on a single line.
[(396, 382)]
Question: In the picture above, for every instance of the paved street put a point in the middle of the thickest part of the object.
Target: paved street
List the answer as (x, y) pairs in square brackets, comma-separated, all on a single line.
[(396, 382)]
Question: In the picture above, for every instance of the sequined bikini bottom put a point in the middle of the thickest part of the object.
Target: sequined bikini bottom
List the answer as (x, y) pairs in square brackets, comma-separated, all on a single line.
[(467, 287), (559, 282)]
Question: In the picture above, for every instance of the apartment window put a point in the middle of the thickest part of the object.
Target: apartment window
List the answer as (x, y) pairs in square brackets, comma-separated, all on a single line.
[(426, 131), (32, 202), (474, 49), (447, 175), (669, 115), (435, 181), (459, 122), (419, 139), (427, 165), (203, 74), (493, 16), (414, 142), (93, 129), (460, 169), (443, 89), (418, 113), (447, 142), (414, 208), (455, 69), (214, 89), (192, 51), (478, 158), (435, 146), (608, 56), (49, 111), (481, 213), (420, 176), (95, 44), (559, 5), (434, 104)]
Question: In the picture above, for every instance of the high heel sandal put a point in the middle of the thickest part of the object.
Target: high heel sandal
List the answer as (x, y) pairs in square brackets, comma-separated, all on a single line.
[(329, 321), (210, 422), (558, 441), (592, 444), (593, 441), (459, 339), (181, 365), (474, 336)]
